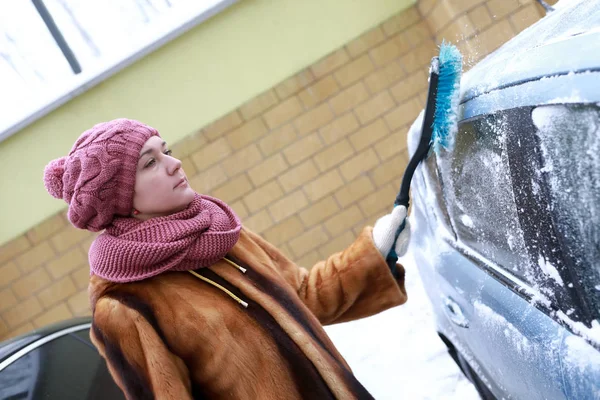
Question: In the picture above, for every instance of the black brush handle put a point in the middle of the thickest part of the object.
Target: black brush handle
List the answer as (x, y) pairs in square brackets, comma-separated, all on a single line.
[(422, 149)]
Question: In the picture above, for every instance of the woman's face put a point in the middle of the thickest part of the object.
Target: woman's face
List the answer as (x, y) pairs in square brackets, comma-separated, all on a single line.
[(161, 187)]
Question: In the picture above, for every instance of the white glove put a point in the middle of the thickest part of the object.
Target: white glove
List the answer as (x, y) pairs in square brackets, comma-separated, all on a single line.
[(385, 229)]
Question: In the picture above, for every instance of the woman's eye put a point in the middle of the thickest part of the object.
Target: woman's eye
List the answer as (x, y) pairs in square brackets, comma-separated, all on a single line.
[(168, 152), (150, 162)]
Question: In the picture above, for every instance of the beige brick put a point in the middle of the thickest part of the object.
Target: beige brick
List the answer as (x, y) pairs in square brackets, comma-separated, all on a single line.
[(68, 238), (313, 119), (79, 304), (493, 37), (501, 8), (343, 221), (268, 169), (319, 91), (303, 148), (365, 41), (222, 125), (525, 17), (374, 107), (247, 133), (283, 112), (323, 185), (383, 199), (35, 257), (309, 260), (410, 86), (293, 84), (211, 154), (259, 222), (284, 231), (401, 21), (339, 128), (390, 50), (359, 164), (349, 98), (460, 29), (425, 6), (22, 312), (81, 276), (354, 191), (393, 144), (188, 145), (188, 167), (87, 243), (334, 155), (31, 283), (11, 249), (7, 299), (277, 140), (383, 77), (4, 329), (417, 33), (419, 58), (336, 245), (330, 63), (207, 180), (262, 196), (242, 160), (480, 17), (390, 170), (404, 114), (66, 263), (46, 229), (21, 330), (288, 205), (233, 189), (308, 241), (440, 15), (56, 314), (354, 71), (369, 134), (240, 209), (8, 273), (259, 104), (298, 175), (56, 292), (319, 211)]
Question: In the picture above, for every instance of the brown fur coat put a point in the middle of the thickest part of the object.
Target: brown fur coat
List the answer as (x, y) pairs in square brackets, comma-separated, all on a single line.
[(175, 336)]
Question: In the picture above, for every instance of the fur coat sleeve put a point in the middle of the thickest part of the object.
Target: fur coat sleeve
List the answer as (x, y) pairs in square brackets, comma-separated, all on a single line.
[(352, 284)]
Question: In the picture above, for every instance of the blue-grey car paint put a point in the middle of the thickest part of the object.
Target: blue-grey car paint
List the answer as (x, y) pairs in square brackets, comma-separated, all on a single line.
[(560, 70)]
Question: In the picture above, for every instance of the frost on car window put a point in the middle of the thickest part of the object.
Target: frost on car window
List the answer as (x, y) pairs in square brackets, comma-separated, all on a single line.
[(478, 191), (570, 142)]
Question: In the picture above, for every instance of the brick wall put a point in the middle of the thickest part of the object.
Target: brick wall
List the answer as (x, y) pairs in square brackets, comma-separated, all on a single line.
[(306, 164)]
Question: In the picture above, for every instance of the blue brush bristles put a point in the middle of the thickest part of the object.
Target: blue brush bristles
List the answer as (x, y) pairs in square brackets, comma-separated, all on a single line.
[(445, 121)]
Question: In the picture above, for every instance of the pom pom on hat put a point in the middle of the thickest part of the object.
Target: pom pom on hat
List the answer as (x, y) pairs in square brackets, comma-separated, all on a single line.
[(53, 177)]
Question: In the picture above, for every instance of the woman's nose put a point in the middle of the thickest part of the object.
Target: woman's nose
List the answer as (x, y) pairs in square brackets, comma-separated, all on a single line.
[(173, 165)]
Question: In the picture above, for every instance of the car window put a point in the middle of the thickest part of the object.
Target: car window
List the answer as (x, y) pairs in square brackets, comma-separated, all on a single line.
[(478, 189), (570, 142), (64, 368)]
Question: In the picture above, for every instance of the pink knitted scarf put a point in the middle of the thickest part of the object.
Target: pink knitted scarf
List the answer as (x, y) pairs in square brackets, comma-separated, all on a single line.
[(132, 250)]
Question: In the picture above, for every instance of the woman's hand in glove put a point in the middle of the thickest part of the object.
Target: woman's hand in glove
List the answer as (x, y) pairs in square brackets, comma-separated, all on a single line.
[(385, 230)]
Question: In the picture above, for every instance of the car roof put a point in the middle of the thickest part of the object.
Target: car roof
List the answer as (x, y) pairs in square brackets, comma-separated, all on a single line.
[(565, 41)]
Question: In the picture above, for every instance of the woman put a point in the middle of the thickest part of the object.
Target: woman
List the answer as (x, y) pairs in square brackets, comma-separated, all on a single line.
[(187, 303)]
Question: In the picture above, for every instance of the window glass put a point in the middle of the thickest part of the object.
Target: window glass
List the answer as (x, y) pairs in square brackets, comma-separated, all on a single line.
[(65, 368), (478, 190), (570, 143)]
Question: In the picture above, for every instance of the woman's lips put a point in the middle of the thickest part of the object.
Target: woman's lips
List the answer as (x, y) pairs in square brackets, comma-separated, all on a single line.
[(182, 182)]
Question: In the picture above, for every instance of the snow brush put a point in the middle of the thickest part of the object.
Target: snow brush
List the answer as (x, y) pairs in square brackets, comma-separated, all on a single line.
[(440, 123)]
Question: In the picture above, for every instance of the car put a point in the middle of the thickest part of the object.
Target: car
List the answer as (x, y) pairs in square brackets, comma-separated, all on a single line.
[(55, 362), (505, 222)]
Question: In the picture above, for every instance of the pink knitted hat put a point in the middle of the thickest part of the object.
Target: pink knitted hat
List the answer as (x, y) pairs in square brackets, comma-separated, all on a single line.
[(97, 178)]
